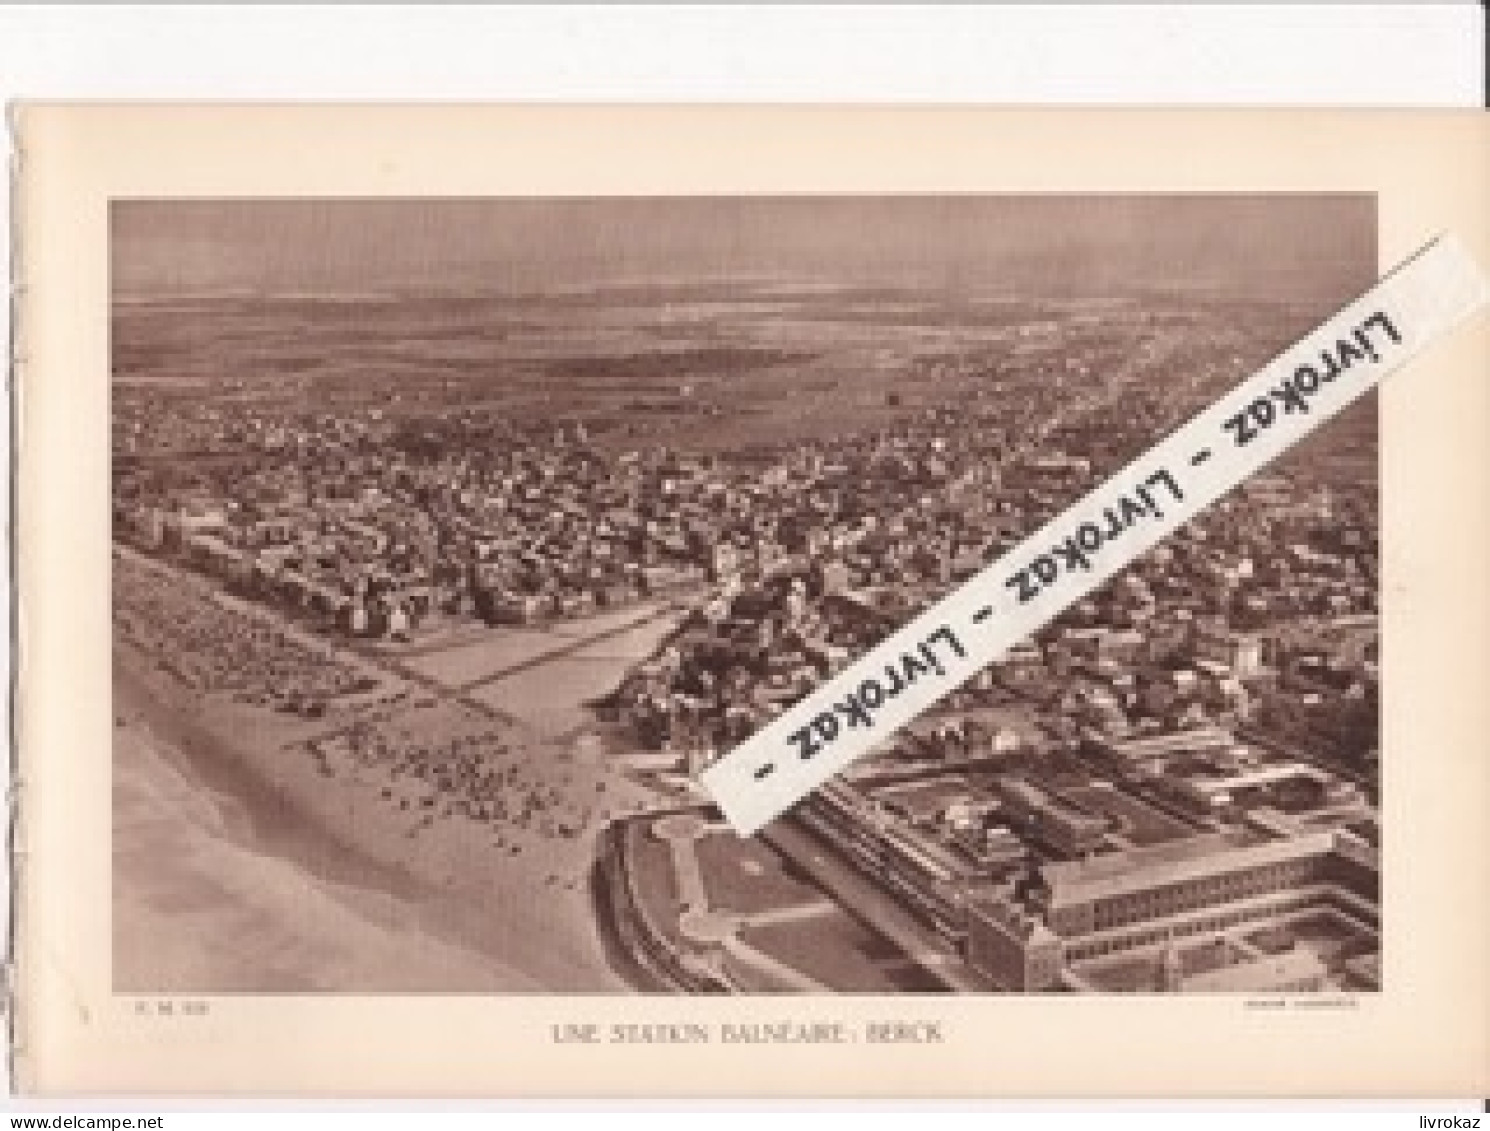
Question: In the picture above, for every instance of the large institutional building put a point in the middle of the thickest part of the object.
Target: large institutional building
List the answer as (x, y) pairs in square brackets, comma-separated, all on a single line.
[(1152, 896), (1026, 935)]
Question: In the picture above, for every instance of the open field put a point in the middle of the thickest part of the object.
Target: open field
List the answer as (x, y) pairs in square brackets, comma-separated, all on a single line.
[(549, 691), (551, 698), (746, 877), (714, 362), (501, 648), (839, 952), (736, 907)]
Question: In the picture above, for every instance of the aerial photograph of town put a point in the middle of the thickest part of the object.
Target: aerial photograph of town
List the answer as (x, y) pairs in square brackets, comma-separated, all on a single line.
[(453, 539)]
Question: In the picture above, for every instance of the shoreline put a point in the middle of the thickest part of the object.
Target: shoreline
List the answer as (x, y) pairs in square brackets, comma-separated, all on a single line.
[(275, 807), (255, 807), (199, 910)]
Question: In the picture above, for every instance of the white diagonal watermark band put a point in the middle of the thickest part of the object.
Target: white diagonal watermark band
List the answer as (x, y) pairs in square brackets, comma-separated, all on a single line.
[(1077, 551)]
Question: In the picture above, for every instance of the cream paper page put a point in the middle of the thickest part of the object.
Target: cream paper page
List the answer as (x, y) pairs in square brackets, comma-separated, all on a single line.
[(1423, 1033)]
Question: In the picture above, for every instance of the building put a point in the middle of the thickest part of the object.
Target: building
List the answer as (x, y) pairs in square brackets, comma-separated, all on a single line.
[(1025, 936), (1012, 947), (923, 874), (1154, 896), (1292, 972), (1214, 792), (1152, 752), (1048, 820), (1240, 652), (1201, 885)]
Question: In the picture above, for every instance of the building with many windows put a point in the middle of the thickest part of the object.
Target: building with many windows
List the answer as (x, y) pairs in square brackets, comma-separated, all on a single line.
[(1024, 928), (1148, 897), (1199, 885)]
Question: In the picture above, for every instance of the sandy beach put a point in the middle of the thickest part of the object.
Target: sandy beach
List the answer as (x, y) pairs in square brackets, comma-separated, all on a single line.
[(408, 843), (199, 909)]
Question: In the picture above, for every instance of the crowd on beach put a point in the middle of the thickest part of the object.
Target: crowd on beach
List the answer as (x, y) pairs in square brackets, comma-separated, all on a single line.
[(445, 767), (211, 646), (430, 761)]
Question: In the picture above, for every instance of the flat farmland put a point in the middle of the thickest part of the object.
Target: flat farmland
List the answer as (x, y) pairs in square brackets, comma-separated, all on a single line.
[(727, 364)]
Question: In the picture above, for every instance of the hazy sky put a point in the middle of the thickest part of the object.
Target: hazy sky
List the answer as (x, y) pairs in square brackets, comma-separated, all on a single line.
[(1302, 244)]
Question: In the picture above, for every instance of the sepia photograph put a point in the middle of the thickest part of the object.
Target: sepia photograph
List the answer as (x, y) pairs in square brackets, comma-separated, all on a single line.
[(454, 537)]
